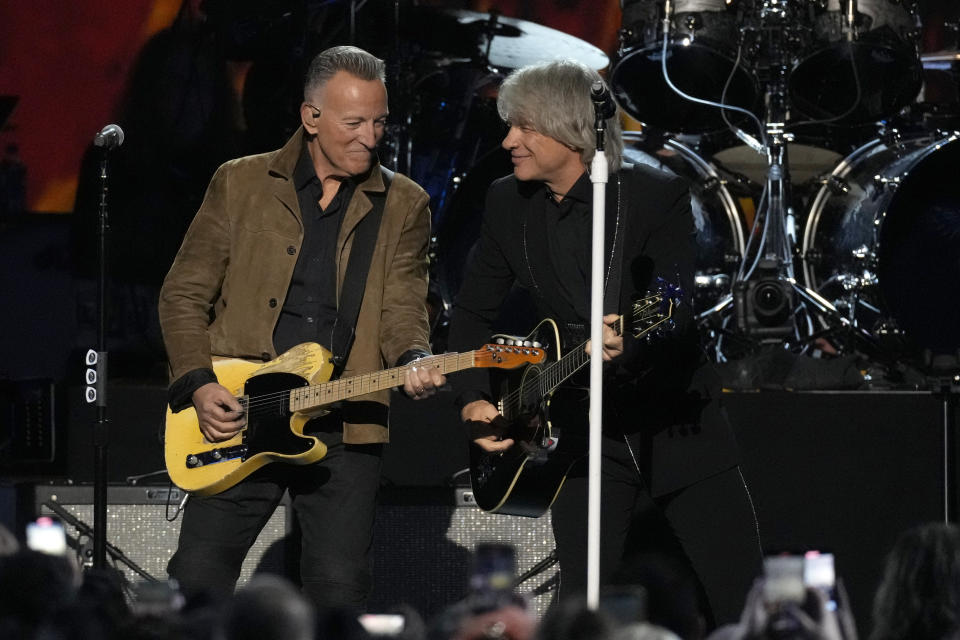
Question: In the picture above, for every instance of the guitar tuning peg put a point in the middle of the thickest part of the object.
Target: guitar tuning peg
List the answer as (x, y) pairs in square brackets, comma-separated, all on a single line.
[(499, 341), (527, 343), (536, 344)]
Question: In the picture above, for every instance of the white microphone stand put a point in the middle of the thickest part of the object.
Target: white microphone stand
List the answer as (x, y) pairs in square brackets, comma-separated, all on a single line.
[(598, 176)]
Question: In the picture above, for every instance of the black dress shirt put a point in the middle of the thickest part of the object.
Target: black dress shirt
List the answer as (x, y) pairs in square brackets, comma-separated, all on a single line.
[(310, 309)]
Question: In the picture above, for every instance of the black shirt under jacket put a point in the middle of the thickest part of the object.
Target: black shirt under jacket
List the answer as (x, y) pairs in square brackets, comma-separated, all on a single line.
[(310, 309)]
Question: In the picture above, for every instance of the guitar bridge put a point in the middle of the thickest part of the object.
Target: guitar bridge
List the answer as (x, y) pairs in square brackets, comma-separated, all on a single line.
[(213, 456)]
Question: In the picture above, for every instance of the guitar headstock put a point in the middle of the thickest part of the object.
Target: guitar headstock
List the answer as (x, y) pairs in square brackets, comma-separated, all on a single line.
[(653, 314), (502, 356)]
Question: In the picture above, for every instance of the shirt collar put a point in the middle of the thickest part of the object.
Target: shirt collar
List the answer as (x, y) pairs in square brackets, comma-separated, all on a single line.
[(304, 173), (581, 191)]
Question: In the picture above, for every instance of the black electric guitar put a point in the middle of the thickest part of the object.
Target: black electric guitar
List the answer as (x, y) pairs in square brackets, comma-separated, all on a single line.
[(525, 479), (279, 398)]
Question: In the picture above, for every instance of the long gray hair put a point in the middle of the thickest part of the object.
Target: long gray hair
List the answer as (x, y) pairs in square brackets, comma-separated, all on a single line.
[(353, 60), (554, 99)]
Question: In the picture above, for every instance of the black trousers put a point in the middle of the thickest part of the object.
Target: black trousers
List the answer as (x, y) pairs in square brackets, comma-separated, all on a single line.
[(709, 526), (334, 501)]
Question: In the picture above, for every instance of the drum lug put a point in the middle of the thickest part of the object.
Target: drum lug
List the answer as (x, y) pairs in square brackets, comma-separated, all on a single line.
[(693, 22), (837, 186), (890, 136), (883, 182), (863, 252)]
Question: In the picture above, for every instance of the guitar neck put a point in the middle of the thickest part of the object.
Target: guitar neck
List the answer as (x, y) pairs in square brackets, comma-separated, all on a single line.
[(563, 369), (314, 396)]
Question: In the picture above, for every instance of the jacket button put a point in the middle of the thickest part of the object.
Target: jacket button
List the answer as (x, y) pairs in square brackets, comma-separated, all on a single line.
[(272, 303), (265, 356), (291, 250)]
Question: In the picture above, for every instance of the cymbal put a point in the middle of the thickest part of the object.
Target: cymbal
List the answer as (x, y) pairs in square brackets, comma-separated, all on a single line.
[(515, 43)]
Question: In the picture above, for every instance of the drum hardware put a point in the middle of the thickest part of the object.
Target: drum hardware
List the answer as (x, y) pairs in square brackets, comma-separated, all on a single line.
[(766, 299)]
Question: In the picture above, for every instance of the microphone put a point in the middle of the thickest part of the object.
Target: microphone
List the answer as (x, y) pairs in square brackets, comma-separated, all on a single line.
[(110, 137), (751, 142), (602, 100)]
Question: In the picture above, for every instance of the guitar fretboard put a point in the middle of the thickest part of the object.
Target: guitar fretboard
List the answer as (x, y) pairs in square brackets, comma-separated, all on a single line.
[(646, 313), (306, 398)]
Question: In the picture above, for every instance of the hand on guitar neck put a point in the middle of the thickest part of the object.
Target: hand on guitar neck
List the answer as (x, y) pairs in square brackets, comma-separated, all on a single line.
[(484, 413), (423, 382), (612, 341)]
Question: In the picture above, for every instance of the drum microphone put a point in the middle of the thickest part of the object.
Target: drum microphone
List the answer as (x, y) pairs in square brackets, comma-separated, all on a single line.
[(667, 10), (603, 103), (750, 141), (110, 137)]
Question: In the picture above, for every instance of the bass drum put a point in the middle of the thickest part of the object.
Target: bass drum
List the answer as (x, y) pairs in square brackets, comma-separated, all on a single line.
[(717, 213), (883, 61), (882, 240), (701, 56)]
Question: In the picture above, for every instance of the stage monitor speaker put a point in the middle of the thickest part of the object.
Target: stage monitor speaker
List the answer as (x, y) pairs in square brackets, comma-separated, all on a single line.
[(423, 549), (138, 525)]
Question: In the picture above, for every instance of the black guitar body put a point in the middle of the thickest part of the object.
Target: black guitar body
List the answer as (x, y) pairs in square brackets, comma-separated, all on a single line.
[(525, 479), (548, 413)]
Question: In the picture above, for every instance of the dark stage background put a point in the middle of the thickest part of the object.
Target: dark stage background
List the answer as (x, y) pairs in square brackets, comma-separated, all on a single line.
[(838, 471)]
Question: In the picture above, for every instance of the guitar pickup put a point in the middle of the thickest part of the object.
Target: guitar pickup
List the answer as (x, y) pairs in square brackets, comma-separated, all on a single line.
[(213, 456)]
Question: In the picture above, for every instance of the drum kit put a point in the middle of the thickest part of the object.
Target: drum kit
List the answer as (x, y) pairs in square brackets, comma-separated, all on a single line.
[(835, 225), (848, 242)]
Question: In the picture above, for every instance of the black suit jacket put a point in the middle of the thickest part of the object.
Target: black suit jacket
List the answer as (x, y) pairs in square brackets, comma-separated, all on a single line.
[(663, 392)]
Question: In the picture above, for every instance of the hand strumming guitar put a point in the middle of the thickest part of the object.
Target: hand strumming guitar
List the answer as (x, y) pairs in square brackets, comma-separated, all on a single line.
[(486, 426), (219, 413)]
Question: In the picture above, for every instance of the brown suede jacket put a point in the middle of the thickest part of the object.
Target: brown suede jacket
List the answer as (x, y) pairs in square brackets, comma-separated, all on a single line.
[(227, 285)]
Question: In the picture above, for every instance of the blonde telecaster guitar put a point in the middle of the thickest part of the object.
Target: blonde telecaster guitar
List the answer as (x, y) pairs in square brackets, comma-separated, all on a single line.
[(279, 398)]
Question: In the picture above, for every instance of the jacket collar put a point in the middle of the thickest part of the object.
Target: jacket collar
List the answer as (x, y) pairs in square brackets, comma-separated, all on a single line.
[(284, 164)]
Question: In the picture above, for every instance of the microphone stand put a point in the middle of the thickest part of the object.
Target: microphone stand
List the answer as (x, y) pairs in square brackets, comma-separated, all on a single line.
[(599, 174), (84, 530), (101, 427)]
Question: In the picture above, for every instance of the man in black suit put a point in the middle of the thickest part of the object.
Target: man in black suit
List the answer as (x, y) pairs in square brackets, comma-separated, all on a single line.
[(668, 452)]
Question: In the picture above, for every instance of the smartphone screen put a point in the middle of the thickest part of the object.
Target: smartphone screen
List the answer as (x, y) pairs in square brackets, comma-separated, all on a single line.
[(783, 578), (382, 624), (46, 535), (494, 568), (819, 573)]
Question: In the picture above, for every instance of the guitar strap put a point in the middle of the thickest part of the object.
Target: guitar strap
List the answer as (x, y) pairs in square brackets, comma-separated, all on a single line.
[(355, 279), (611, 291)]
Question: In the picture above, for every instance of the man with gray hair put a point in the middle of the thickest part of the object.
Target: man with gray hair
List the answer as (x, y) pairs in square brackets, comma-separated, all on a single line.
[(314, 242), (668, 454)]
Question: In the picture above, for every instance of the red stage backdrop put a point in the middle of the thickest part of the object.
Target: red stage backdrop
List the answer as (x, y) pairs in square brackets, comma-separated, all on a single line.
[(69, 61)]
